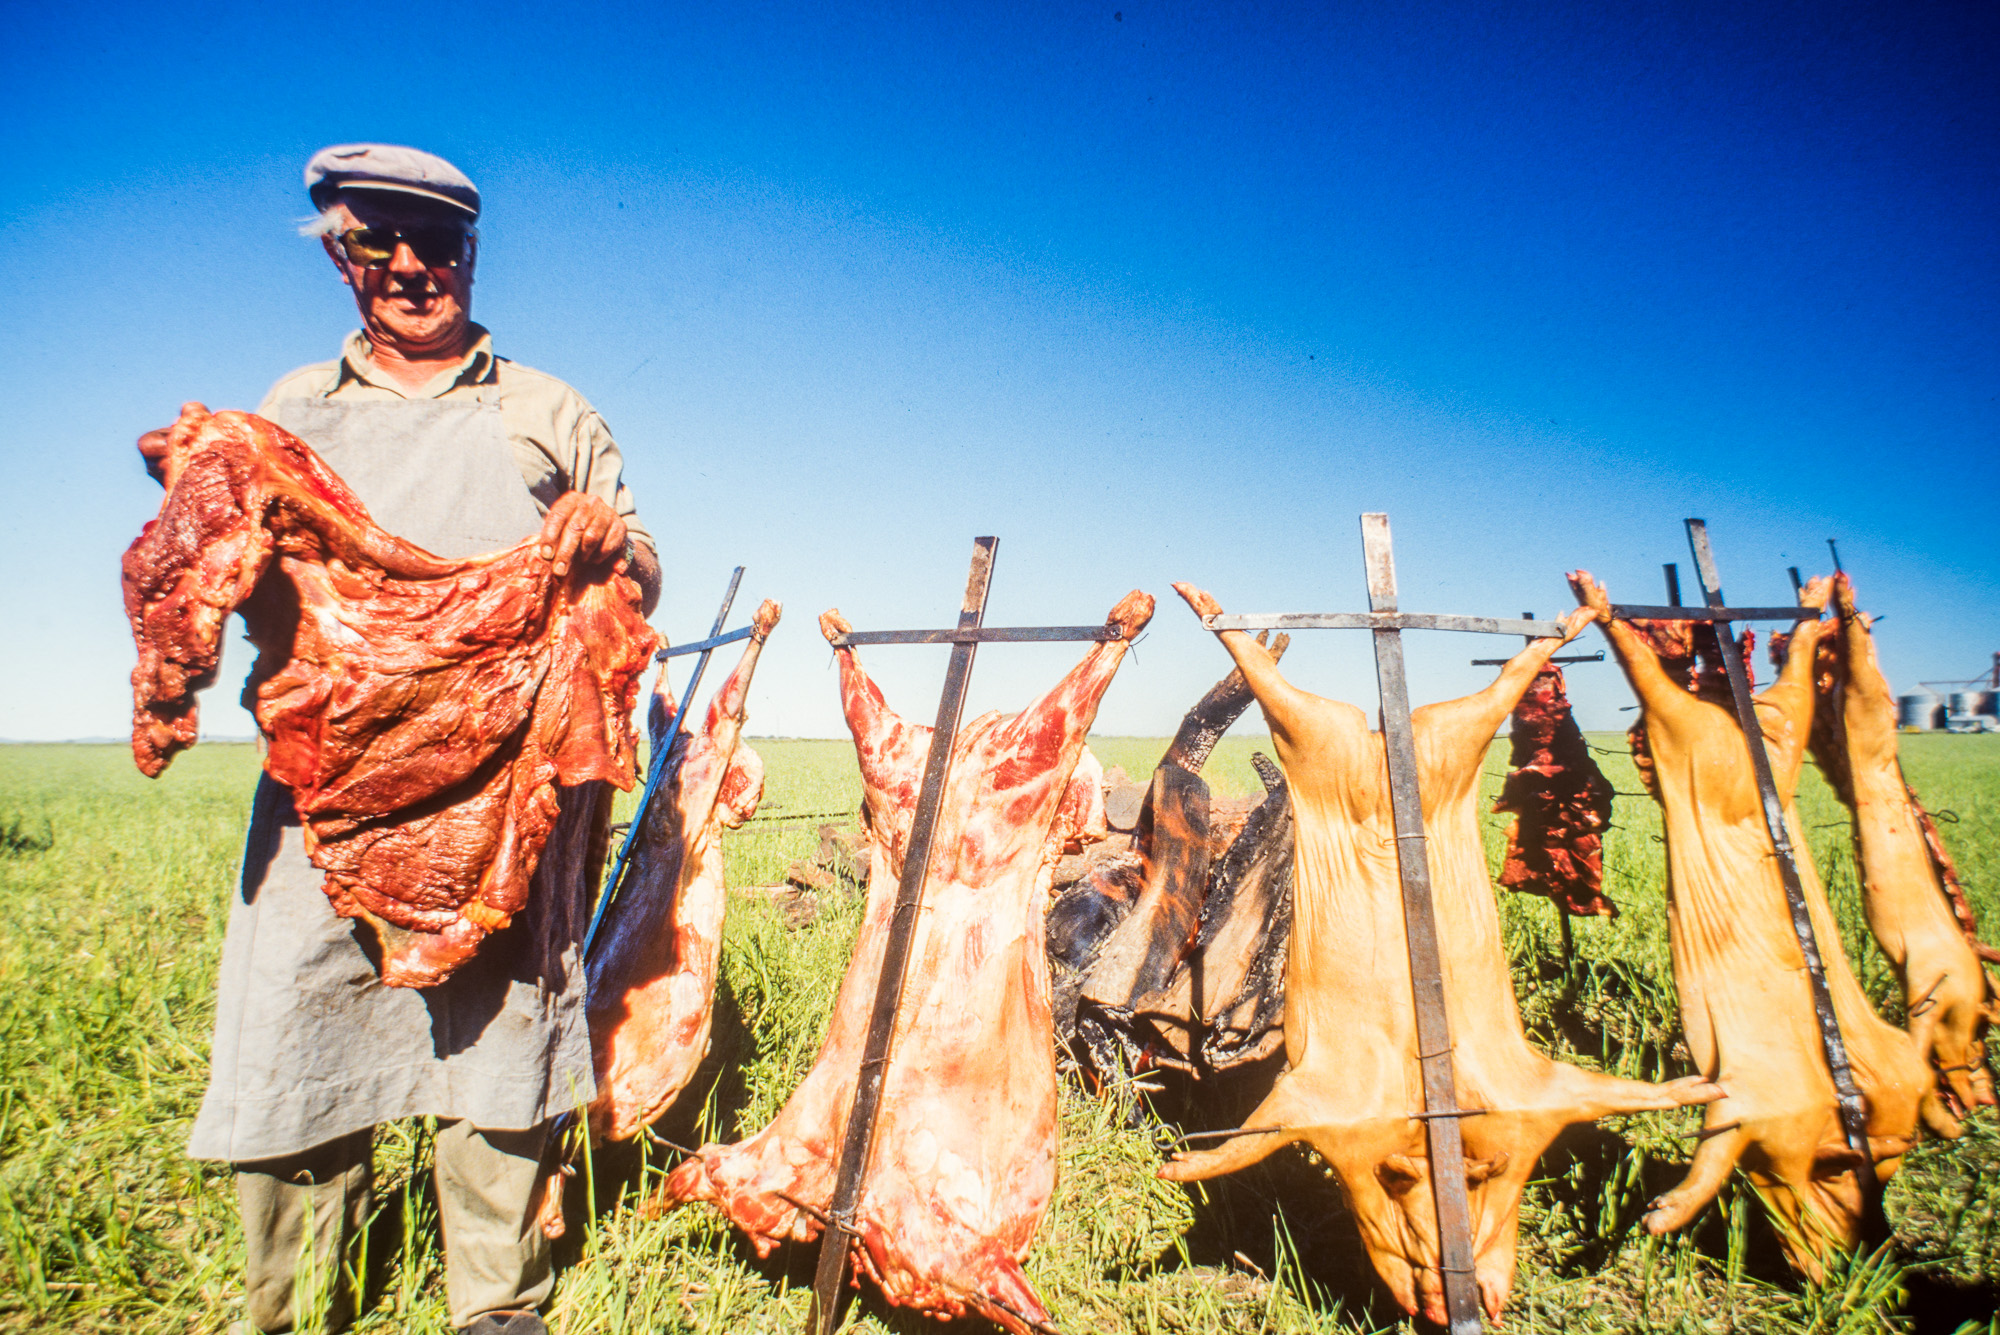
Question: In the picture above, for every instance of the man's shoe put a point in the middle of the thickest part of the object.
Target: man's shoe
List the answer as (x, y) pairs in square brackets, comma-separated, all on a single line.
[(507, 1323)]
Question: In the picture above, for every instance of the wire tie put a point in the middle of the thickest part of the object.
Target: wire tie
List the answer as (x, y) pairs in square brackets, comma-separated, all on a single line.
[(1709, 1131)]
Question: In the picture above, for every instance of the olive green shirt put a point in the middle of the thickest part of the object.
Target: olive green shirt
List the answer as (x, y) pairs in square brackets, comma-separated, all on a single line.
[(560, 443)]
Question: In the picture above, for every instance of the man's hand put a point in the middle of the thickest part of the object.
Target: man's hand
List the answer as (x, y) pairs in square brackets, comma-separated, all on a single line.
[(581, 527)]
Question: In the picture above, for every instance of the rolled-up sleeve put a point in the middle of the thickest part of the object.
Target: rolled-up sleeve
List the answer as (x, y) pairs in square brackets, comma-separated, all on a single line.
[(600, 471)]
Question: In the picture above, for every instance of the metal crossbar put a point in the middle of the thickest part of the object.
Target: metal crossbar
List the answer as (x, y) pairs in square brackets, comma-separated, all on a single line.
[(858, 1145), (667, 756), (1389, 619), (977, 635), (1445, 1138), (1560, 660), (703, 646), (1637, 612), (1853, 1109)]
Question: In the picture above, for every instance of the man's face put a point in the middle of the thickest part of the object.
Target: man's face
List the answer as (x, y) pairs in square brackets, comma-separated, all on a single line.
[(413, 307)]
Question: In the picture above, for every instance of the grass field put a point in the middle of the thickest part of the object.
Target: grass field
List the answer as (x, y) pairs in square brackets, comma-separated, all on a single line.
[(111, 910)]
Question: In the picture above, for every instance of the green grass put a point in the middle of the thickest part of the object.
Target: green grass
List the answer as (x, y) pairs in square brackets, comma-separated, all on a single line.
[(113, 892)]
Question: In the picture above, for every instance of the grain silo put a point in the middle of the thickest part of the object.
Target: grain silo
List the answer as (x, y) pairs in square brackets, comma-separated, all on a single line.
[(1921, 711)]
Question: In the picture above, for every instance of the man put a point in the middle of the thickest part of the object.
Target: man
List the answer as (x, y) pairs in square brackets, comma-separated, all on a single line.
[(462, 452)]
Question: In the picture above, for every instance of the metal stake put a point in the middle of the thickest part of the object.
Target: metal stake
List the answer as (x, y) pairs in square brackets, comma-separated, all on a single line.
[(1853, 1110), (1441, 1128), (859, 1141), (666, 758), (857, 1146)]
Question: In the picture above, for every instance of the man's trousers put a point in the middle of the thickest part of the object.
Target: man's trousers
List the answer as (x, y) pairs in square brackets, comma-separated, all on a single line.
[(496, 1258)]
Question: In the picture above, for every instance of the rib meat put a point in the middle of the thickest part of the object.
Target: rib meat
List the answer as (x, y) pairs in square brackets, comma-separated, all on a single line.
[(652, 970), (1746, 1002), (423, 711), (965, 1148), (1561, 804), (1352, 1082), (1949, 997)]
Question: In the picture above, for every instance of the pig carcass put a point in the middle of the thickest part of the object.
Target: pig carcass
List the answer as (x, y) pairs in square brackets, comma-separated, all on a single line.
[(1746, 1001), (652, 969), (1352, 1087), (1949, 997), (965, 1146)]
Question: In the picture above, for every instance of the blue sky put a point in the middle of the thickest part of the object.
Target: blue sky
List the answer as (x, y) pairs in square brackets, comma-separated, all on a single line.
[(1151, 292)]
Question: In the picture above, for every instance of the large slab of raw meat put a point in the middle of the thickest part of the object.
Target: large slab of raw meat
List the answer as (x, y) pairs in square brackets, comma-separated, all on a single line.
[(423, 711), (1905, 889), (1746, 1001), (965, 1148), (1561, 804), (1352, 1085), (652, 970)]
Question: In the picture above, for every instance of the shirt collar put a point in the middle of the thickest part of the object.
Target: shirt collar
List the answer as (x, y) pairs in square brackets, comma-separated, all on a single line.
[(476, 367)]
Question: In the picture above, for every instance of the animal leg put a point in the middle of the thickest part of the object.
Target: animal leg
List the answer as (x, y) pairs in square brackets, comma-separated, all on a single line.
[(1278, 1111), (1712, 1165), (1589, 1095)]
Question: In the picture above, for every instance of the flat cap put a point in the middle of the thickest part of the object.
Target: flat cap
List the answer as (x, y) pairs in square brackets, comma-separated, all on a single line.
[(409, 171)]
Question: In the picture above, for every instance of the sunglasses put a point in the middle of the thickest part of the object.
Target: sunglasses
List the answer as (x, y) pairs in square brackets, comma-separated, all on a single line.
[(434, 247)]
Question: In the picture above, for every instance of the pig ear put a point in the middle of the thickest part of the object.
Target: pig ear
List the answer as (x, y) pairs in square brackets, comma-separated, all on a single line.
[(1399, 1173), (1479, 1170)]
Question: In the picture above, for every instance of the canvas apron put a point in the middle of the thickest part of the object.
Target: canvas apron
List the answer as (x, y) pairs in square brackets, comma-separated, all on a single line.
[(309, 1045)]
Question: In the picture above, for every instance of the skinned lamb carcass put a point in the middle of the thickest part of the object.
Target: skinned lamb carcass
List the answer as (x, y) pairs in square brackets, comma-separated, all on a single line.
[(423, 711), (1950, 1000), (965, 1147), (1353, 1084), (652, 972), (1746, 1001)]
